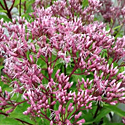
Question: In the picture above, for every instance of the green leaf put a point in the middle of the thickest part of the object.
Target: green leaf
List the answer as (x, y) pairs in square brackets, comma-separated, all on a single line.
[(107, 27), (41, 63), (16, 2), (44, 122), (27, 55), (18, 113), (112, 21), (88, 119), (29, 6), (1, 67), (5, 18), (102, 114), (117, 27), (2, 2), (104, 53), (5, 87), (88, 123), (8, 121), (56, 106), (112, 124), (115, 109), (4, 11), (85, 3)]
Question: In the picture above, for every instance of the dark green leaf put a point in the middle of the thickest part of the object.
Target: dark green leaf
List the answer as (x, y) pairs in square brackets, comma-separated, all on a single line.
[(102, 114)]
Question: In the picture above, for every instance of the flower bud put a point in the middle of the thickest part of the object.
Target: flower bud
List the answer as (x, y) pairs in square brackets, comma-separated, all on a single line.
[(81, 121), (31, 58), (77, 116), (51, 123), (9, 111)]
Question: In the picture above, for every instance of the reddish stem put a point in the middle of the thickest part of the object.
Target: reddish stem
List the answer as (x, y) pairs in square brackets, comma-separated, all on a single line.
[(12, 6), (2, 6), (72, 71), (20, 8)]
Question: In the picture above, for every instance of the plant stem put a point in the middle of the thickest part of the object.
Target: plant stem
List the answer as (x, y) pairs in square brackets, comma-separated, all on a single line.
[(5, 5), (8, 11), (12, 6), (24, 122), (96, 112), (72, 71), (65, 69), (20, 8)]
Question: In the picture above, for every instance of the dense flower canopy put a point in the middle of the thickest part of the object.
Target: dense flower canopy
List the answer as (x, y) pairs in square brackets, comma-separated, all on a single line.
[(43, 55)]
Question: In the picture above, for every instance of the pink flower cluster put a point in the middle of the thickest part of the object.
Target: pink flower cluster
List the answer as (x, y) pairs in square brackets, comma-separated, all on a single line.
[(35, 51)]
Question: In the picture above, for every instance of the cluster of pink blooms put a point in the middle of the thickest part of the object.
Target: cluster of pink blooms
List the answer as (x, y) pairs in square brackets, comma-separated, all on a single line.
[(61, 34)]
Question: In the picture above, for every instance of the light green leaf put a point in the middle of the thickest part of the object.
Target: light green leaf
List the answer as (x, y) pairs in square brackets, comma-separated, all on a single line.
[(8, 121), (5, 18), (117, 27), (16, 2), (1, 67), (4, 11)]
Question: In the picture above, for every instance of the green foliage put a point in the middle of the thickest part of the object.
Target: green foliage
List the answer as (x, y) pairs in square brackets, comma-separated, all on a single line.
[(103, 112), (18, 113), (29, 9), (8, 121), (115, 109), (44, 122), (5, 18), (84, 3), (113, 124)]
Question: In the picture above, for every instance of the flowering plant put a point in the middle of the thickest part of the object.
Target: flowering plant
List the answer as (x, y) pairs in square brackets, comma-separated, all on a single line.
[(61, 67)]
